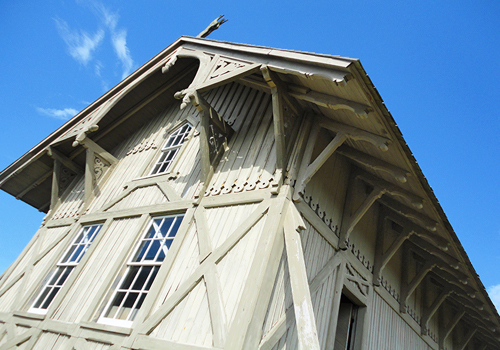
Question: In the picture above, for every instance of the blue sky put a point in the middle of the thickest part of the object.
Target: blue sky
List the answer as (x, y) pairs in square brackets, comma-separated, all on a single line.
[(433, 62)]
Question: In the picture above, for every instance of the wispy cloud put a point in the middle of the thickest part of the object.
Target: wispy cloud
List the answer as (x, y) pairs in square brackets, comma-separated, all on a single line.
[(81, 44), (120, 45), (118, 37), (494, 293), (61, 114)]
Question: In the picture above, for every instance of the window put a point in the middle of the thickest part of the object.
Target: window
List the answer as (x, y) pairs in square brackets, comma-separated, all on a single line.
[(141, 270), (66, 265), (171, 148)]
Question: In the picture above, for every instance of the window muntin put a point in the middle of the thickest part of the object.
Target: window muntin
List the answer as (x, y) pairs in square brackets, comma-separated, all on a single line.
[(171, 148), (142, 268), (66, 265)]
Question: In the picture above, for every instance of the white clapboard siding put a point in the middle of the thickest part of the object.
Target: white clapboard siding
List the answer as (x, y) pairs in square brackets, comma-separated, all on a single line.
[(183, 266), (92, 345), (388, 330), (52, 341), (189, 322), (120, 236)]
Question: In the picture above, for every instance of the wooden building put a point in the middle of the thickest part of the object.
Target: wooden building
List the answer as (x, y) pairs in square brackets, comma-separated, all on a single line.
[(227, 196)]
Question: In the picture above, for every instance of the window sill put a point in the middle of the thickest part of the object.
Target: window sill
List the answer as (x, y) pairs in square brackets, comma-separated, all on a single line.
[(29, 315), (106, 328)]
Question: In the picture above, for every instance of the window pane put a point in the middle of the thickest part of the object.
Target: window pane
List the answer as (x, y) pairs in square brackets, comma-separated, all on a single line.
[(67, 272), (141, 279), (142, 249), (127, 306), (153, 250), (50, 298), (152, 278), (54, 279), (132, 271), (115, 304), (41, 298)]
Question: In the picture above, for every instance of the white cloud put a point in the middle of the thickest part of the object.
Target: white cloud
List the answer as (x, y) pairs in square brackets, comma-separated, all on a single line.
[(62, 114), (81, 45), (494, 293), (120, 44), (118, 37)]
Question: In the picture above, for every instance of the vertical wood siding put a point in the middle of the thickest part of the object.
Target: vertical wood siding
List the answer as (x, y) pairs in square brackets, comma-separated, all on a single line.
[(52, 341), (189, 321), (234, 267), (120, 236), (183, 266), (326, 192), (388, 330)]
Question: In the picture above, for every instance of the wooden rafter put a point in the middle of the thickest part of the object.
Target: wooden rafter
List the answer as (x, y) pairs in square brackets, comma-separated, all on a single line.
[(374, 163), (329, 101)]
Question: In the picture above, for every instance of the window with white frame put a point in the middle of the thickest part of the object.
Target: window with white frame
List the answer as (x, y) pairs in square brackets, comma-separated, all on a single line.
[(171, 148), (142, 267), (55, 280)]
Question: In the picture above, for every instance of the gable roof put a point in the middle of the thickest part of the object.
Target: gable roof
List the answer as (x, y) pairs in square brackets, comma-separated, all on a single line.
[(336, 88)]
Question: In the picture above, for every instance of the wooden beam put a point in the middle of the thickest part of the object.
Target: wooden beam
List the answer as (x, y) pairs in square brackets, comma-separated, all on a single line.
[(218, 316), (401, 209), (423, 232), (356, 134), (54, 194), (381, 257), (68, 163), (445, 331), (432, 309), (229, 77), (444, 257), (34, 184), (302, 304), (467, 338), (416, 201), (374, 163), (278, 122), (313, 168), (329, 101), (89, 175), (306, 159), (353, 219), (89, 144), (408, 288)]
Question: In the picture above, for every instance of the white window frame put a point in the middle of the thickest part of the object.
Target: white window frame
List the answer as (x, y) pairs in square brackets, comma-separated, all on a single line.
[(138, 265), (56, 279), (171, 148)]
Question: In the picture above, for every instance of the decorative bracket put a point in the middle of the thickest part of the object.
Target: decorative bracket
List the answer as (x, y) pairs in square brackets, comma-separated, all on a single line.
[(370, 162), (278, 121), (329, 101), (214, 135)]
